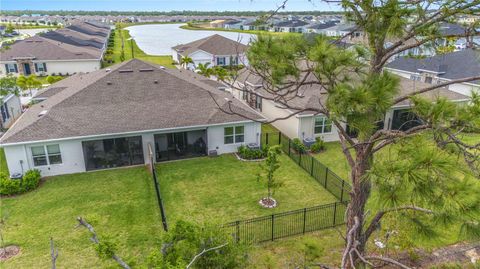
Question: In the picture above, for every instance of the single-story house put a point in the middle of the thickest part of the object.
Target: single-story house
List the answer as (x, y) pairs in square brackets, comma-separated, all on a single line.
[(441, 68), (10, 110), (308, 124), (76, 48), (216, 50), (114, 117), (290, 26)]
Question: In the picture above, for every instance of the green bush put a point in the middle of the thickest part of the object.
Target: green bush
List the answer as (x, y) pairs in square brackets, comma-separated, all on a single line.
[(30, 181), (252, 154), (318, 146), (298, 146)]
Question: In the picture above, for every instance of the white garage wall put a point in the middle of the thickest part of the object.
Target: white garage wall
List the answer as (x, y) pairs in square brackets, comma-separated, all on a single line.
[(289, 126), (71, 67)]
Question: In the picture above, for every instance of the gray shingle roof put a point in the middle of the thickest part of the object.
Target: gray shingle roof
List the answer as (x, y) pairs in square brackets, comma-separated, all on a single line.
[(214, 44), (455, 65), (133, 96)]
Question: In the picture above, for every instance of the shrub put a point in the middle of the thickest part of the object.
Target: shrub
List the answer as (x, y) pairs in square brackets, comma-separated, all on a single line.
[(318, 146), (252, 154), (298, 146), (30, 181)]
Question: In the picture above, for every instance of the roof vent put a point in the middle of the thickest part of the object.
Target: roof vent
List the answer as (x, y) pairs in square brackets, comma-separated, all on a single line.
[(155, 81), (146, 70), (109, 82), (43, 112), (162, 67), (125, 71), (108, 70)]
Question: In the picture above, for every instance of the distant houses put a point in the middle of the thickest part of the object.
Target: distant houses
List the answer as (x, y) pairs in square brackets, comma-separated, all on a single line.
[(215, 50), (76, 48)]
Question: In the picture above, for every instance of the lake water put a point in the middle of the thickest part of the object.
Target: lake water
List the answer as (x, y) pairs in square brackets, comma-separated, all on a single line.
[(158, 39)]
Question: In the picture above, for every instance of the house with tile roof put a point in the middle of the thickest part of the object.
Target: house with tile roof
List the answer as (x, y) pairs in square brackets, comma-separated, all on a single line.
[(306, 124), (113, 117), (76, 48), (441, 68), (216, 50)]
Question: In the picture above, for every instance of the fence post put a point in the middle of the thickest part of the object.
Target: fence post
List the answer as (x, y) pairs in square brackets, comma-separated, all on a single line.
[(279, 138), (334, 213), (300, 159), (273, 217), (326, 176), (311, 168), (341, 195), (289, 141), (304, 219), (266, 138), (238, 231)]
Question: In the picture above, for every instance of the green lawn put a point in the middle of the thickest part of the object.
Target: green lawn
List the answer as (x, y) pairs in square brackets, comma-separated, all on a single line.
[(120, 203), (225, 189), (122, 34), (3, 162)]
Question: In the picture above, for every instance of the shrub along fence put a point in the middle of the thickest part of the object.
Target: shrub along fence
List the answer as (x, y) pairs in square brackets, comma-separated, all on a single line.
[(285, 224), (324, 176)]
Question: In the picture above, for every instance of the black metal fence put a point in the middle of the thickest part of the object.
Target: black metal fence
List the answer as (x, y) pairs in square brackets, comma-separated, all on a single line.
[(324, 176), (153, 171), (296, 222)]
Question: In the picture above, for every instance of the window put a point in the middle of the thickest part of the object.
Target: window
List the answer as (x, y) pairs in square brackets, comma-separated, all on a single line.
[(4, 111), (428, 80), (40, 67), (46, 155), (233, 60), (258, 103), (221, 61), (415, 77), (322, 125), (234, 135), (11, 68)]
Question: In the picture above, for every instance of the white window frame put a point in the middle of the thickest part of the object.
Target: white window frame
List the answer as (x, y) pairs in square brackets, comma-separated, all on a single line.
[(11, 68), (40, 67), (224, 61), (234, 135), (323, 125), (47, 155)]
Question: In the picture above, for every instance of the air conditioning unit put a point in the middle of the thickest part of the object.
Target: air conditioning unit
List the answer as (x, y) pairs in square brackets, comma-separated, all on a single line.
[(213, 153)]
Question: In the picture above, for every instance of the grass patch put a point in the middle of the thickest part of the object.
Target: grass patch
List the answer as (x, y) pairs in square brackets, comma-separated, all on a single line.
[(226, 189), (3, 162), (131, 49), (119, 203)]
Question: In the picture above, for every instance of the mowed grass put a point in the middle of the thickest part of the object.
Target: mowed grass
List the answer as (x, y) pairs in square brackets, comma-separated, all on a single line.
[(3, 162), (122, 36), (224, 189), (120, 204)]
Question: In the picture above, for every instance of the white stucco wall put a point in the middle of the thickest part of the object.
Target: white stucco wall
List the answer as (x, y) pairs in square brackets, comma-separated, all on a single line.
[(289, 126), (307, 129), (215, 137), (72, 151), (464, 88), (56, 67)]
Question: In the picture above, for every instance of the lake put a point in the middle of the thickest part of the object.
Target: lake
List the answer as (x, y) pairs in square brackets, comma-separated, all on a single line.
[(158, 39)]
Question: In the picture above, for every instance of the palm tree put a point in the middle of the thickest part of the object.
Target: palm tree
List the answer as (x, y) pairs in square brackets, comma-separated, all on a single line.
[(204, 70), (185, 61), (28, 83)]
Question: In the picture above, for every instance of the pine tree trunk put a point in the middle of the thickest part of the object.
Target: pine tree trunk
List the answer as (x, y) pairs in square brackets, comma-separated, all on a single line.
[(361, 188)]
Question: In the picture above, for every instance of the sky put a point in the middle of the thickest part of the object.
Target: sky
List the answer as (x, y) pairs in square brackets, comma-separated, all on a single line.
[(166, 5)]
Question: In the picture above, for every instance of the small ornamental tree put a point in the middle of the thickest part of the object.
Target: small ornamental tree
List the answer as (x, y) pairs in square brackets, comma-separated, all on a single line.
[(185, 61), (269, 167), (28, 83)]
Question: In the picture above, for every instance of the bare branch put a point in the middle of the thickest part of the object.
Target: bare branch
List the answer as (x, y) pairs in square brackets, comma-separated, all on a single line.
[(94, 239), (203, 252), (387, 260)]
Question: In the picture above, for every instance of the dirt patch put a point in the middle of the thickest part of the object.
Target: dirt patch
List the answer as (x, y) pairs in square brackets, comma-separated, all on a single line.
[(9, 252), (462, 253)]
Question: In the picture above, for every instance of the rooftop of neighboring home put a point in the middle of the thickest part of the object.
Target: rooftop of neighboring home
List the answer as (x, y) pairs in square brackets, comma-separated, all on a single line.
[(81, 40), (323, 25), (214, 44), (312, 96), (454, 65), (133, 96), (291, 23), (451, 29)]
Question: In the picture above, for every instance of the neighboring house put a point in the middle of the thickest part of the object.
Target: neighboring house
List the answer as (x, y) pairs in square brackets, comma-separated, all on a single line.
[(319, 27), (441, 68), (293, 26), (113, 117), (233, 24), (76, 48), (308, 124), (10, 110), (215, 50), (3, 28), (217, 23)]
